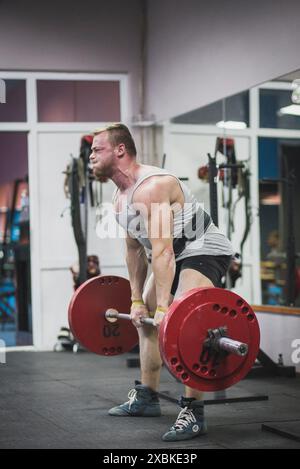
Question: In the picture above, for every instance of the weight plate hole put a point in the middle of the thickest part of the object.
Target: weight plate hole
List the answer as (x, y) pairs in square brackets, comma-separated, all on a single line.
[(216, 307), (245, 310), (239, 302), (204, 369), (184, 376), (196, 367), (179, 368), (250, 317), (224, 310), (174, 361), (212, 373), (233, 313)]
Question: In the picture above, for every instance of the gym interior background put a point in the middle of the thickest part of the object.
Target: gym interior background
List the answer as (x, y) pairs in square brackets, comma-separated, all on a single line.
[(189, 82)]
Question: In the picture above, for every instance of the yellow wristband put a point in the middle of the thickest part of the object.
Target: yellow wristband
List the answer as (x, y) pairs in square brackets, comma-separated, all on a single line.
[(161, 309), (137, 303)]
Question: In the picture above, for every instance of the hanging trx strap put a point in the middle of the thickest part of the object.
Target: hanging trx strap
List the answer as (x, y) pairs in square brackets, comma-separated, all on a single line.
[(76, 221), (247, 210)]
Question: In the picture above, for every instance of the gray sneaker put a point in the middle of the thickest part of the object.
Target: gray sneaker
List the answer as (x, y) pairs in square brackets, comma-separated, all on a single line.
[(189, 424), (143, 402)]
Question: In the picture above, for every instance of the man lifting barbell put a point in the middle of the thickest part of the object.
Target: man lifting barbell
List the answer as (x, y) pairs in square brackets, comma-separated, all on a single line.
[(180, 262), (208, 338)]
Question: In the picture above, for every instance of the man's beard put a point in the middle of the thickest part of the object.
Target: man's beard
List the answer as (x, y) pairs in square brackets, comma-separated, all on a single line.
[(101, 173)]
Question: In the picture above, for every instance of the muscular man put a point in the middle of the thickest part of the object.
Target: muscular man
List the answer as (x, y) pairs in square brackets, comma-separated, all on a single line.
[(164, 224)]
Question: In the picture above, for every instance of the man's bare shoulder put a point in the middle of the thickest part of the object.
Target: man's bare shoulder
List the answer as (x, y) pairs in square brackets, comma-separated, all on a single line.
[(155, 189)]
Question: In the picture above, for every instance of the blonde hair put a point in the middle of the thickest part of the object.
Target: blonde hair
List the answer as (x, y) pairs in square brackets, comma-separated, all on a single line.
[(119, 133)]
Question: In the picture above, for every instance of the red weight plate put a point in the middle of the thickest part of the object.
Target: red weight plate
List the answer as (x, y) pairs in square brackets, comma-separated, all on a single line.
[(87, 316), (184, 330)]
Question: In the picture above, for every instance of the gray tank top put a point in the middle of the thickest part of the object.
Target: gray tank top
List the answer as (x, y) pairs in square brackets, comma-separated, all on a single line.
[(193, 230)]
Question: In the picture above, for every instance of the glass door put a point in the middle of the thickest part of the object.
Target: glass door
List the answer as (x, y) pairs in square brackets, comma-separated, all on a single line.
[(15, 285)]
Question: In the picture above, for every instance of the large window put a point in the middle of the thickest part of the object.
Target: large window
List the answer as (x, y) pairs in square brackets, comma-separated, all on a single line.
[(14, 108), (78, 101), (234, 109), (276, 111)]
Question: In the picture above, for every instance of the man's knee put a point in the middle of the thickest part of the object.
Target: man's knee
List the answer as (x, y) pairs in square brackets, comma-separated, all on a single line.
[(154, 365), (148, 333), (150, 301), (149, 294)]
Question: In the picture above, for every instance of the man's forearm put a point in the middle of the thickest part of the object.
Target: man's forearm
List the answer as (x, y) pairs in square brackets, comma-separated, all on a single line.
[(163, 265), (137, 268)]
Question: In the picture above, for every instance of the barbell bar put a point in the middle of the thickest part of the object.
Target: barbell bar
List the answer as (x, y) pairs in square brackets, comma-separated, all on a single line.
[(218, 343)]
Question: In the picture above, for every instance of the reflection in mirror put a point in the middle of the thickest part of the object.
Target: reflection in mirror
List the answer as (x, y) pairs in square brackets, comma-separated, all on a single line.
[(254, 202), (276, 110), (233, 112), (279, 195)]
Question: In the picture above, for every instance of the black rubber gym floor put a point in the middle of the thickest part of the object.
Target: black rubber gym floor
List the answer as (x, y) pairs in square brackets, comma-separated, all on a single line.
[(60, 400)]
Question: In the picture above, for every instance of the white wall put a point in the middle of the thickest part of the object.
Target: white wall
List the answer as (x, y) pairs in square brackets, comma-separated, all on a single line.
[(66, 35), (280, 333), (199, 52)]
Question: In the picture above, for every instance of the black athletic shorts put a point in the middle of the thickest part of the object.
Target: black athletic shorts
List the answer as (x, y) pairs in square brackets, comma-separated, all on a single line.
[(213, 267)]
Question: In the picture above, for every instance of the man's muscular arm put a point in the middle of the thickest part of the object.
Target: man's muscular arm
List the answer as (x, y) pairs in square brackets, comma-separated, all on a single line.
[(137, 265), (158, 216)]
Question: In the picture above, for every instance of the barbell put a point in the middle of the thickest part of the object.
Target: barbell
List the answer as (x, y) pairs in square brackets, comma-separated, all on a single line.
[(208, 339), (216, 340)]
